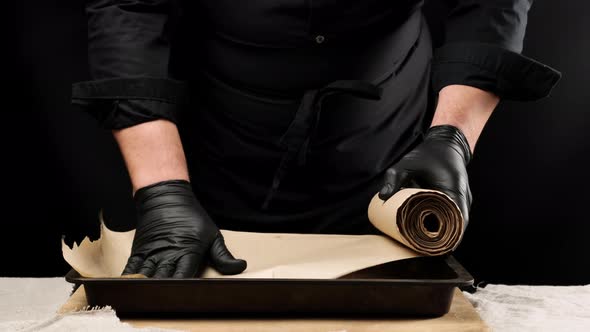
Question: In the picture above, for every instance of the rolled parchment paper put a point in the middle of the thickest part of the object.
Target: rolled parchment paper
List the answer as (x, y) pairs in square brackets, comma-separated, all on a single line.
[(426, 221)]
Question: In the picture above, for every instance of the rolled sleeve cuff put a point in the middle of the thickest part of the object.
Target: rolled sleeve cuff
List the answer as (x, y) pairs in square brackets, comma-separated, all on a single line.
[(124, 102), (509, 75)]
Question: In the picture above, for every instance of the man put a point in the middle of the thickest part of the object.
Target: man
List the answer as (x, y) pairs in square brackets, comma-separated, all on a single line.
[(299, 111)]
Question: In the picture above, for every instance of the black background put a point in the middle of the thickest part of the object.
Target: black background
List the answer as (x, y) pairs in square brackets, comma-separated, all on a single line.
[(530, 176)]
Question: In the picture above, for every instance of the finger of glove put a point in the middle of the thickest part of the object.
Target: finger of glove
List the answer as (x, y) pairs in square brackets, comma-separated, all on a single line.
[(222, 259), (461, 202), (148, 268), (394, 180), (164, 270), (187, 266), (133, 264), (464, 207)]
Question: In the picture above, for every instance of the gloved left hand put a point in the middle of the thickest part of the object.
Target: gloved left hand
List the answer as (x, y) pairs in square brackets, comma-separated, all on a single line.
[(438, 163), (175, 234)]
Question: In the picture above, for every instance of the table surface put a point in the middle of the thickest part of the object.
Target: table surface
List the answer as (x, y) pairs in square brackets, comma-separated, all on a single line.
[(31, 304)]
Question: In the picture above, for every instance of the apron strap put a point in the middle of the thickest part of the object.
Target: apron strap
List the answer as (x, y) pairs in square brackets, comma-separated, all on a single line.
[(296, 138)]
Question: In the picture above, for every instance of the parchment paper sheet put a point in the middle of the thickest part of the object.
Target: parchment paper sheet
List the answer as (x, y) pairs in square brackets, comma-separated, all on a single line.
[(404, 217), (269, 255)]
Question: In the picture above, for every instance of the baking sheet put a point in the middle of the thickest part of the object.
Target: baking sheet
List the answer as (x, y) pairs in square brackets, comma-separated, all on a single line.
[(415, 286), (287, 273)]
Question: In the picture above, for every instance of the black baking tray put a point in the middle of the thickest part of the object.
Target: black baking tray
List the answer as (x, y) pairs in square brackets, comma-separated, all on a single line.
[(422, 286)]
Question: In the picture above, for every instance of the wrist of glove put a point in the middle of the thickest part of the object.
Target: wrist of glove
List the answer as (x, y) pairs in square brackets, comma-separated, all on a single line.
[(439, 163), (175, 235)]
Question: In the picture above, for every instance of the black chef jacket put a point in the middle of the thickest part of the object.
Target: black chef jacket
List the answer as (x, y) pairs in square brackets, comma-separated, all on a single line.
[(253, 77)]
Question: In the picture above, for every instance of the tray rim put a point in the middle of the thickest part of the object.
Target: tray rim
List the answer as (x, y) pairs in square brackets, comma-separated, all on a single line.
[(463, 279)]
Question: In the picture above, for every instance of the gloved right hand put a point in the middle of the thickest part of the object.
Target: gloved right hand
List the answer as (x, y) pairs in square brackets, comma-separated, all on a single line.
[(174, 235), (439, 162)]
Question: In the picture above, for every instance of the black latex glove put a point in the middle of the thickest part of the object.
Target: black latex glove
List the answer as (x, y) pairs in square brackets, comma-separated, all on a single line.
[(439, 163), (174, 235)]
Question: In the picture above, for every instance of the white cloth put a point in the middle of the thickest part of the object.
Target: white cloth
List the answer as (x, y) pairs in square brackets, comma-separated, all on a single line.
[(533, 308), (30, 304)]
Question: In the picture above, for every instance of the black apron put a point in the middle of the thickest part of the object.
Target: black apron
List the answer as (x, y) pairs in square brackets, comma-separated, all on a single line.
[(298, 140)]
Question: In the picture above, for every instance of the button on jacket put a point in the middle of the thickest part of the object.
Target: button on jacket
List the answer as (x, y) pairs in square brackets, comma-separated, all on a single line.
[(252, 78)]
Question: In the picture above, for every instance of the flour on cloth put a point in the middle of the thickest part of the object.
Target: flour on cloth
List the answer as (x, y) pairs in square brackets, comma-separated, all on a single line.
[(30, 304), (533, 308)]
